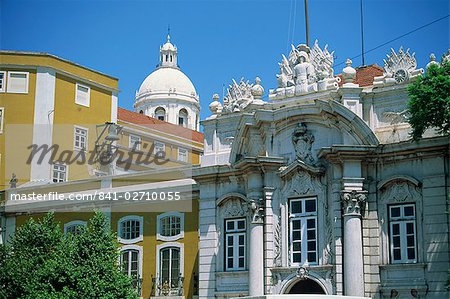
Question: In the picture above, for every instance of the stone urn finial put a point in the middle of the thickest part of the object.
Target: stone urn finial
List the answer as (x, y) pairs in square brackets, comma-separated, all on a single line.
[(257, 89), (432, 61), (215, 107), (348, 73)]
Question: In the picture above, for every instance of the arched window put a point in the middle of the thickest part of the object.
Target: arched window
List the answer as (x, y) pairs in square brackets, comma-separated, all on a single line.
[(183, 118), (74, 227), (170, 226), (160, 113), (141, 112), (130, 229), (170, 261), (131, 264)]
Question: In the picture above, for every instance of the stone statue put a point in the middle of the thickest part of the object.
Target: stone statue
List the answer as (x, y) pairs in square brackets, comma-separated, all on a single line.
[(303, 140), (304, 73), (306, 70)]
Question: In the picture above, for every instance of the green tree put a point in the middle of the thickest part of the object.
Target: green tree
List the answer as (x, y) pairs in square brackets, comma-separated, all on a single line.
[(42, 262), (429, 103)]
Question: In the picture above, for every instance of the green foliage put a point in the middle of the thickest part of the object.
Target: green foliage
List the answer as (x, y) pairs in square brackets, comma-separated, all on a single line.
[(429, 104), (42, 262)]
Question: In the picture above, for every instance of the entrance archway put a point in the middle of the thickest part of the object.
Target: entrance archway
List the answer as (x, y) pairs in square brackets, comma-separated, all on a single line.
[(306, 286)]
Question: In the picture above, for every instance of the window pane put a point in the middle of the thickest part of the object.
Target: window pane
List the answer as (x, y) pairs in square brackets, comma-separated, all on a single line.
[(311, 257), (230, 240), (230, 225), (241, 224), (296, 207), (296, 224), (296, 257), (241, 262), (310, 205), (296, 246), (311, 223), (395, 229), (409, 228), (311, 245), (395, 212), (411, 254), (311, 234), (410, 241), (397, 255), (396, 241), (409, 211), (296, 235)]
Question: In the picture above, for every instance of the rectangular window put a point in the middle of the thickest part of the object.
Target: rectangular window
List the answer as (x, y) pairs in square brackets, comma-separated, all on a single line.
[(135, 142), (159, 148), (303, 231), (80, 139), (2, 113), (235, 244), (18, 82), (402, 233), (59, 173), (82, 95), (182, 154), (2, 81), (170, 271)]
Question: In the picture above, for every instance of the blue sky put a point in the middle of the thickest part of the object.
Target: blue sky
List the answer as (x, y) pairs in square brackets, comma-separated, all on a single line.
[(217, 40)]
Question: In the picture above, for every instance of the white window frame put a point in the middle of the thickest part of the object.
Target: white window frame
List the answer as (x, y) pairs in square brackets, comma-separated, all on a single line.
[(73, 223), (159, 236), (303, 217), (66, 172), (140, 238), (140, 255), (160, 247), (402, 221), (2, 117), (88, 95), (9, 82), (79, 148), (155, 147), (186, 159), (235, 234), (138, 140), (3, 87)]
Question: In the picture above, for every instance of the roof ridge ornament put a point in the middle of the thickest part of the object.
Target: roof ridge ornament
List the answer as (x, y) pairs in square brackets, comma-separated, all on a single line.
[(306, 70), (399, 68)]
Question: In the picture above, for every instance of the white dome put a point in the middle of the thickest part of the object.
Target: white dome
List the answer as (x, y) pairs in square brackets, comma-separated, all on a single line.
[(168, 47), (167, 80)]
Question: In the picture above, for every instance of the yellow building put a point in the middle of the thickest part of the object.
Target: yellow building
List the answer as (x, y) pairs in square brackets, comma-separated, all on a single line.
[(46, 100)]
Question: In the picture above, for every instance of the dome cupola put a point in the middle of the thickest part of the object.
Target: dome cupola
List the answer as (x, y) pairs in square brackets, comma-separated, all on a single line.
[(168, 89)]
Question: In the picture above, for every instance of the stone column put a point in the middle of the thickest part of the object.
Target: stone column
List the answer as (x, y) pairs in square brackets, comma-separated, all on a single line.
[(352, 202), (256, 248)]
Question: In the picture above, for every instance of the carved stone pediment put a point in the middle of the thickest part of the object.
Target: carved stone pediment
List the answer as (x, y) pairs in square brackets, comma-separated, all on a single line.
[(301, 179), (234, 207), (400, 191)]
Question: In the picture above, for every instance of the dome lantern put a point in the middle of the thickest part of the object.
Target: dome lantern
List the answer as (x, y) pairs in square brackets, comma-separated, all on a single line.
[(168, 54)]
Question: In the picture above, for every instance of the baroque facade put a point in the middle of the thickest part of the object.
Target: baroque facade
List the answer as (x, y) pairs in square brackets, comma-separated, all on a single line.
[(321, 190)]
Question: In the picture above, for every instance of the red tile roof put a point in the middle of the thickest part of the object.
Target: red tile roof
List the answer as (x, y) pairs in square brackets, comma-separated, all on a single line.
[(156, 124), (365, 75)]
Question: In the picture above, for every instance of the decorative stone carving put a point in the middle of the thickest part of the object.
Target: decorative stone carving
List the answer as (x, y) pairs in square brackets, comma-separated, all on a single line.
[(277, 242), (349, 74), (306, 70), (240, 95), (302, 273), (303, 140), (13, 181), (396, 117), (432, 61), (257, 208), (327, 252), (446, 57), (398, 69), (234, 207), (400, 191), (353, 201), (215, 107)]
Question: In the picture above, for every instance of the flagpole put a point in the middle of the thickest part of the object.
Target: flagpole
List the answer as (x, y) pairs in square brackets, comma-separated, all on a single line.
[(307, 23)]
